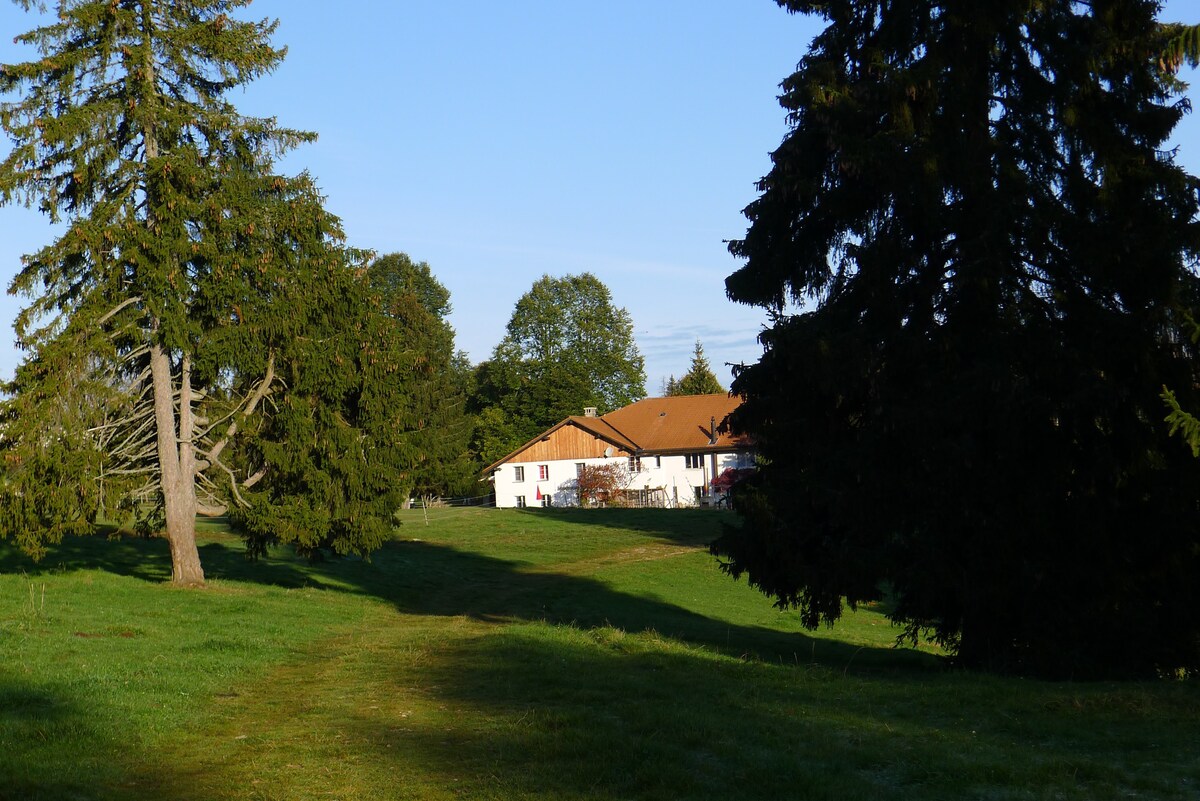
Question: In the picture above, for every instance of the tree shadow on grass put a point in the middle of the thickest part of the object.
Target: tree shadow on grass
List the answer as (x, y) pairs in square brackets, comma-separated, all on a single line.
[(148, 559), (434, 580), (546, 712), (446, 581), (34, 721), (136, 557), (612, 700), (425, 578), (594, 715)]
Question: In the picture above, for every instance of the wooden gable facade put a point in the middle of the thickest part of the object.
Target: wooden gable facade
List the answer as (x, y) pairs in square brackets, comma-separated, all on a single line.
[(568, 442)]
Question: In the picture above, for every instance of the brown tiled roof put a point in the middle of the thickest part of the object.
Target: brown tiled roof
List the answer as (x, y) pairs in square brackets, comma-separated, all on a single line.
[(678, 423)]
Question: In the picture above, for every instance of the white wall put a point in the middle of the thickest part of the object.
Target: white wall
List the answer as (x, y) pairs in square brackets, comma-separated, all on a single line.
[(668, 473), (680, 482), (559, 486)]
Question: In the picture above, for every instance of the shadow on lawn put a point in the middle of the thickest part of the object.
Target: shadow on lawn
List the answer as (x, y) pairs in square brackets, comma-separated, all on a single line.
[(604, 704), (32, 721), (604, 719), (588, 711), (597, 714), (444, 581), (148, 559), (600, 717), (431, 579)]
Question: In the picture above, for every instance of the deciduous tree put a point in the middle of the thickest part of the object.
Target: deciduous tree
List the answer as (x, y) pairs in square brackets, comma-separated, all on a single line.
[(978, 200), (566, 347)]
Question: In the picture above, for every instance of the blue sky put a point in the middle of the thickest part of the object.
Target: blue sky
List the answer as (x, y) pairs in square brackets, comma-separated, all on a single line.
[(503, 141)]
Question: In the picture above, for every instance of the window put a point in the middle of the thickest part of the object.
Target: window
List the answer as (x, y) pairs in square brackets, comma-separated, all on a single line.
[(635, 464), (658, 461), (546, 500), (693, 461), (519, 475), (520, 501), (578, 469), (543, 472)]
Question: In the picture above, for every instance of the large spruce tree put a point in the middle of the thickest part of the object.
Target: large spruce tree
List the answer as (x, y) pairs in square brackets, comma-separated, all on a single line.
[(1000, 253), (197, 340)]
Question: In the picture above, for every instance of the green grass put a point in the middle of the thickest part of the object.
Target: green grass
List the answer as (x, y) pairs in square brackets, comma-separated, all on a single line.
[(558, 654)]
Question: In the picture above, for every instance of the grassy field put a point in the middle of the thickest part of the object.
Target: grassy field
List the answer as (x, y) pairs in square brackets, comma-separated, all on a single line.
[(549, 654)]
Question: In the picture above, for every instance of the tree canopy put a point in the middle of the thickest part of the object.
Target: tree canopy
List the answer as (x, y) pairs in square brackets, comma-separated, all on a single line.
[(1000, 253), (419, 304), (398, 281), (566, 347), (199, 337), (698, 380)]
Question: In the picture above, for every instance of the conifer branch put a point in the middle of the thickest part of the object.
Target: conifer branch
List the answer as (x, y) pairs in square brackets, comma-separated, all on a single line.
[(1182, 47)]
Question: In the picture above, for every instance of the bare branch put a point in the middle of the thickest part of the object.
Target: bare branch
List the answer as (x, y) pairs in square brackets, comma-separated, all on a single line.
[(261, 391), (117, 309), (233, 485), (254, 479)]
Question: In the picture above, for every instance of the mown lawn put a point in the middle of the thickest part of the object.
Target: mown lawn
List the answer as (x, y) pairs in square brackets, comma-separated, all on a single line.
[(559, 654)]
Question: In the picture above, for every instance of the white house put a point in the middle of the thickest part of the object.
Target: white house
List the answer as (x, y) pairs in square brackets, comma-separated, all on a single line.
[(670, 447)]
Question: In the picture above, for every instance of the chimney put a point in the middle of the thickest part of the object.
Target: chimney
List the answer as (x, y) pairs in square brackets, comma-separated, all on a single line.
[(589, 411), (712, 428)]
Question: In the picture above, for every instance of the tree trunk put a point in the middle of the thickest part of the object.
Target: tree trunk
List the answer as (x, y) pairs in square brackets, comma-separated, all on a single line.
[(176, 451), (176, 459), (186, 570)]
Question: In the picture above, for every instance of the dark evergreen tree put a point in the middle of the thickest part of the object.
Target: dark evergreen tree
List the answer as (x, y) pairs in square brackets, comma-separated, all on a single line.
[(566, 347), (419, 304), (1001, 255), (336, 449), (193, 342), (698, 380)]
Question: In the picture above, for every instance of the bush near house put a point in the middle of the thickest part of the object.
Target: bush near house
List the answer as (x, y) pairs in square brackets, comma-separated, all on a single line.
[(601, 483)]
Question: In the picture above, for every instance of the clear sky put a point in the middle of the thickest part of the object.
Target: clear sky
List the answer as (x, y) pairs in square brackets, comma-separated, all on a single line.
[(503, 141)]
